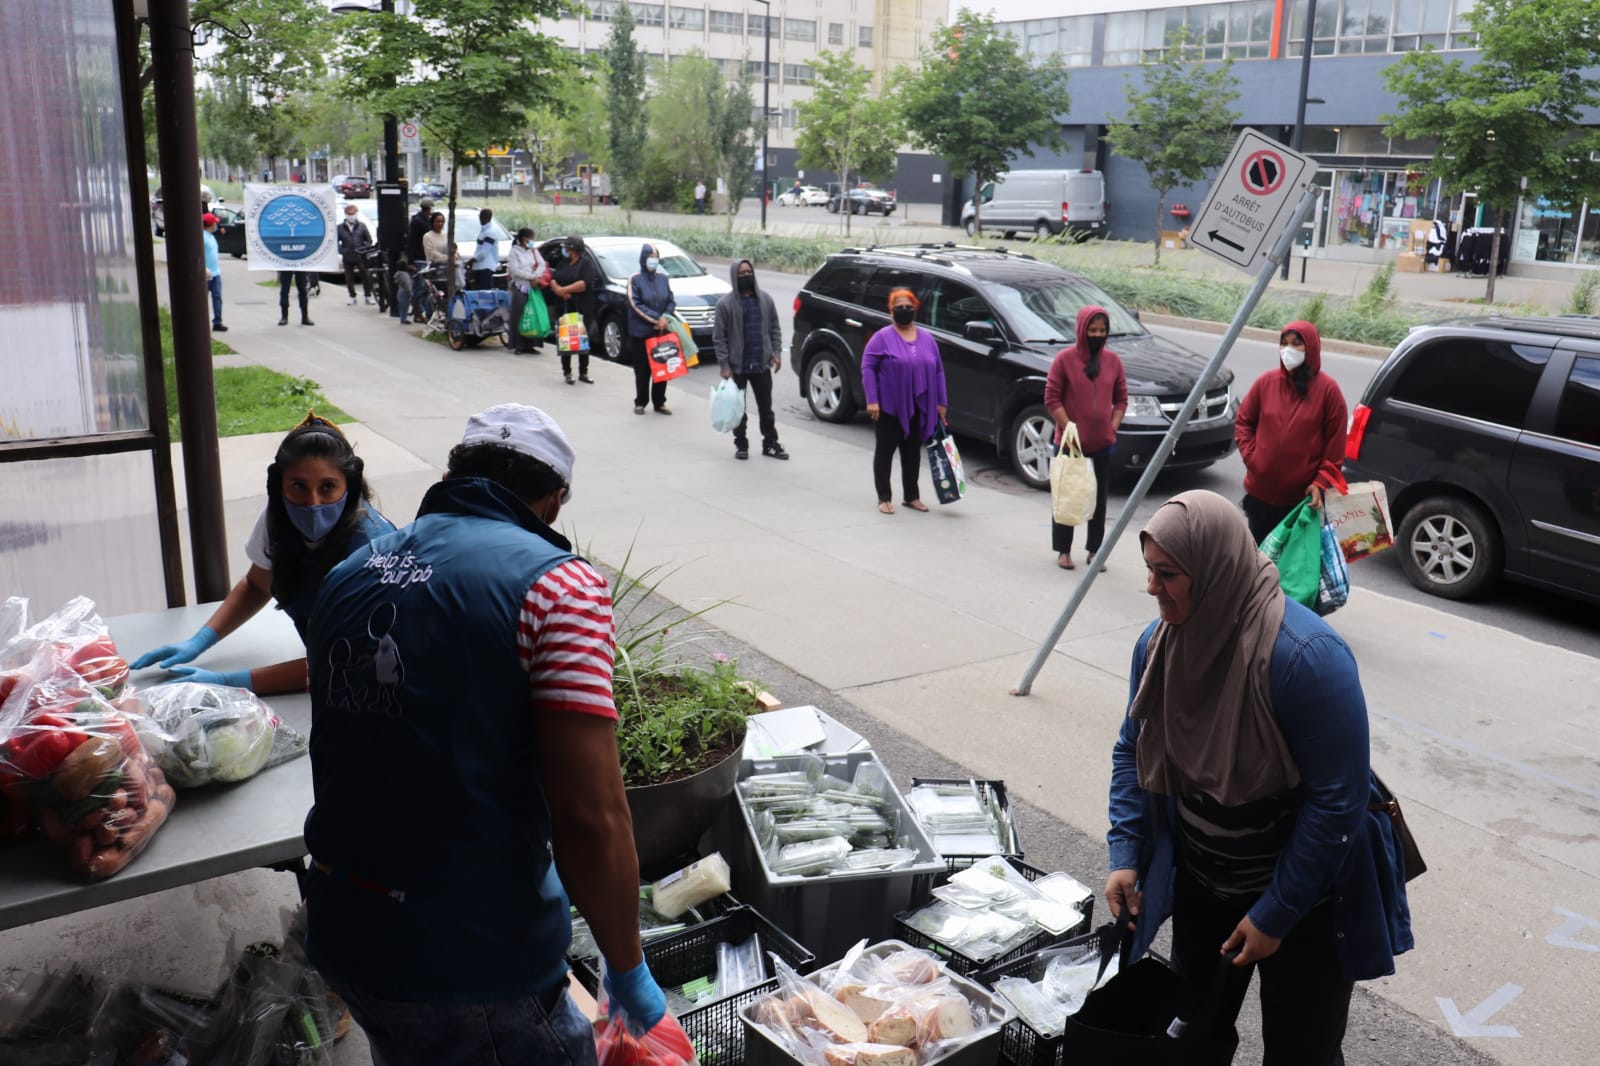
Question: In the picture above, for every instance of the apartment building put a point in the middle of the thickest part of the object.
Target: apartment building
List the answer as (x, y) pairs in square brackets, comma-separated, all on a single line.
[(1375, 183)]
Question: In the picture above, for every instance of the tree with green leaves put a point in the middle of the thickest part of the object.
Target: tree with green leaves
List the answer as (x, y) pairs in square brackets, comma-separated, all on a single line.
[(219, 119), (627, 91), (1514, 114), (585, 129), (284, 52), (679, 120), (470, 70), (1179, 126), (734, 137), (846, 126), (345, 127), (979, 103)]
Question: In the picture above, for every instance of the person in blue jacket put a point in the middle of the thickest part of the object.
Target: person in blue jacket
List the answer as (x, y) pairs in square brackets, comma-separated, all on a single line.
[(1241, 796), (319, 510), (649, 303)]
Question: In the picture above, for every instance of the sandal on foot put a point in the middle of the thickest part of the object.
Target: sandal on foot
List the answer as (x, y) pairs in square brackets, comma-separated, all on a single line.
[(915, 505), (1064, 561), (885, 507)]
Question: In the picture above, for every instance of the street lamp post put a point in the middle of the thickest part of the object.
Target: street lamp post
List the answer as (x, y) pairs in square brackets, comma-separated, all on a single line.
[(392, 239), (1298, 138), (766, 101)]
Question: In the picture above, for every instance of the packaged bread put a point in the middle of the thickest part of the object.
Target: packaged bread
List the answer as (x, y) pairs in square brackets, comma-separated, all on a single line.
[(840, 1021), (866, 1005), (869, 1055), (913, 967)]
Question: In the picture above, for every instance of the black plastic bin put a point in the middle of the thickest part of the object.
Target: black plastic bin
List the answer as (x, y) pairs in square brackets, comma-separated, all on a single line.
[(715, 1029), (966, 966), (1014, 847), (1020, 1043)]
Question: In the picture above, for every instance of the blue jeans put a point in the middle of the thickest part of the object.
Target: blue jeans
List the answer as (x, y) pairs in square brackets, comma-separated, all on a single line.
[(214, 286), (517, 1032)]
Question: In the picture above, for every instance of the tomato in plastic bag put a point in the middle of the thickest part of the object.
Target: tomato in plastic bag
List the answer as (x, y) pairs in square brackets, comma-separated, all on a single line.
[(665, 1045)]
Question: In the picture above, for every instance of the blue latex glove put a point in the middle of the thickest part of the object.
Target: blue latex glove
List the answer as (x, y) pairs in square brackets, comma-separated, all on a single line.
[(235, 678), (170, 655), (642, 1002)]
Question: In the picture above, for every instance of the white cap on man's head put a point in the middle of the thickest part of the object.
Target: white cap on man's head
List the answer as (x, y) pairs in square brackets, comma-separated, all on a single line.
[(527, 430)]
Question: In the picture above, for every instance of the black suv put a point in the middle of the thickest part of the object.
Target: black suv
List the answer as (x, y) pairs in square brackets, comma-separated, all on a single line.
[(1486, 434), (999, 318)]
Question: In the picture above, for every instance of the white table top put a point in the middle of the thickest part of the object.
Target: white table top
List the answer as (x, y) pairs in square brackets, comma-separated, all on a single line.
[(212, 831)]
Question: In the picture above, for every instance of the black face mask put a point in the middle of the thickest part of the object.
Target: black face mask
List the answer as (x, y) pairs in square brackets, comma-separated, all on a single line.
[(747, 283), (904, 315), (1094, 344)]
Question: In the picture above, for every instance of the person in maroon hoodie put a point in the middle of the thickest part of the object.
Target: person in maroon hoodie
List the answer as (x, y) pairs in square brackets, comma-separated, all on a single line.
[(1290, 432), (1087, 385)]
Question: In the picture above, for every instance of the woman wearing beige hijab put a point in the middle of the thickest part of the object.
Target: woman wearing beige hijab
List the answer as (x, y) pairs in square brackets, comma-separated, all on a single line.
[(1240, 792)]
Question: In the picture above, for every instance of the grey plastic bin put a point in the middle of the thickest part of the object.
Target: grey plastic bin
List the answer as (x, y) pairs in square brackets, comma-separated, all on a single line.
[(829, 912)]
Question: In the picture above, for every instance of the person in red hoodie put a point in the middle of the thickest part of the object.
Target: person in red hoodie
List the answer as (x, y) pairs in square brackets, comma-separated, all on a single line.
[(1088, 386), (1290, 432)]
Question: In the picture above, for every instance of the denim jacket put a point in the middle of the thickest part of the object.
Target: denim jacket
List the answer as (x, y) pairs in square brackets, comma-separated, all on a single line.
[(1338, 847)]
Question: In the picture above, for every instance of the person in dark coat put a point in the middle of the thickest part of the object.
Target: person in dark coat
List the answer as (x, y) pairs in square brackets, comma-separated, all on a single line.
[(354, 242), (421, 223), (649, 303), (749, 345)]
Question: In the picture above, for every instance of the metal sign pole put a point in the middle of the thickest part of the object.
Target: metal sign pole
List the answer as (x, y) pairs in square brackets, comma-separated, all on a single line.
[(1263, 277)]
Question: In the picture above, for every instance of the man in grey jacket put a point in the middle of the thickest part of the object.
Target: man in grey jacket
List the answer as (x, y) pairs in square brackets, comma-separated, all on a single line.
[(749, 344)]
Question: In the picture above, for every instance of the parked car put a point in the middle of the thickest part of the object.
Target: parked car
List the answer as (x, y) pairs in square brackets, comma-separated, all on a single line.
[(158, 207), (230, 231), (1000, 318), (695, 291), (862, 202), (431, 189), (1486, 434), (807, 196), (1044, 202), (352, 187)]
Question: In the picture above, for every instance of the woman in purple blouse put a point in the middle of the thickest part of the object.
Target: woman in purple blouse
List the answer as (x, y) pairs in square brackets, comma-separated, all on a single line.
[(903, 377)]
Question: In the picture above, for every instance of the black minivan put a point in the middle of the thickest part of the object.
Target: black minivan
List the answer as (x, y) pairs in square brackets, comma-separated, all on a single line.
[(999, 318), (1486, 435)]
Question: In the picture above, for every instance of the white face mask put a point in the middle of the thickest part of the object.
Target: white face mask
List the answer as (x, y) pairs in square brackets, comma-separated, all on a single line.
[(1291, 357)]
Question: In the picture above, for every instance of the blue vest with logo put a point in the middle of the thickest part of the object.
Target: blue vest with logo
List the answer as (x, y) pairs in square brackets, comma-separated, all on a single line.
[(432, 877)]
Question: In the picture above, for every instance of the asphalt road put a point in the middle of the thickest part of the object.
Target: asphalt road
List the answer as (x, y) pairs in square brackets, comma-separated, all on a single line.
[(1532, 613)]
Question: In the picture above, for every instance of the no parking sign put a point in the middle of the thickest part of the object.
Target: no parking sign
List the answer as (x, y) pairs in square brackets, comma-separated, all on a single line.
[(1247, 204)]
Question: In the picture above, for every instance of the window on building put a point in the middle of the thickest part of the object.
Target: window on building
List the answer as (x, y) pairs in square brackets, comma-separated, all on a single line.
[(1547, 232), (1321, 140), (602, 10), (863, 36), (1488, 380), (1039, 37), (649, 14), (1076, 40), (1324, 32), (1420, 24), (688, 18), (1589, 242), (1356, 27), (800, 29), (789, 118), (1578, 417), (1208, 30), (797, 74), (1250, 29), (1124, 37), (757, 25), (836, 33), (754, 67), (1363, 140), (726, 21)]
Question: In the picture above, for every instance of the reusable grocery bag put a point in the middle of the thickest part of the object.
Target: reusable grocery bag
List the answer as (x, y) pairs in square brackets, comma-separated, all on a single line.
[(1360, 519), (944, 467), (665, 356), (1126, 1020), (1072, 481), (535, 316), (727, 406), (691, 350), (571, 335), (1295, 544), (1333, 585)]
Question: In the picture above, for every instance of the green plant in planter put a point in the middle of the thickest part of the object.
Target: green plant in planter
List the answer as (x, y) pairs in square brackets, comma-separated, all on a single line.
[(675, 717)]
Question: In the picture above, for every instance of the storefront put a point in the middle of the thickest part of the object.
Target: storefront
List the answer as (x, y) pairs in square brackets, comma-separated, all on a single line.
[(1553, 233)]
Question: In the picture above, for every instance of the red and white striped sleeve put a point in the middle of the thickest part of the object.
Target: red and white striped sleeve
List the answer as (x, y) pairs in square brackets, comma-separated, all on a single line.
[(567, 641)]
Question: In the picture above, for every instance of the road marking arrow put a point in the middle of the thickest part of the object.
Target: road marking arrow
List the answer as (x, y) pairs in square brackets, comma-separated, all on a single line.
[(1472, 1022), (1565, 935), (1217, 238)]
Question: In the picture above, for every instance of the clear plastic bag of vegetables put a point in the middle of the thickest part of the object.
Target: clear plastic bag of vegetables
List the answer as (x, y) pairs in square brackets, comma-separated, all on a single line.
[(75, 643), (88, 782), (269, 1010), (200, 734)]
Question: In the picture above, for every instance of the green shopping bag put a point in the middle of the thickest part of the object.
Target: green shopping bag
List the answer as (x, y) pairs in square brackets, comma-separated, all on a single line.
[(535, 318), (1295, 544)]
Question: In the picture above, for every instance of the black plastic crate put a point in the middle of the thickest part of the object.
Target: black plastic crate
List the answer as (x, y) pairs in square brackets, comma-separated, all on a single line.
[(961, 862), (714, 1029), (1020, 1043), (965, 965)]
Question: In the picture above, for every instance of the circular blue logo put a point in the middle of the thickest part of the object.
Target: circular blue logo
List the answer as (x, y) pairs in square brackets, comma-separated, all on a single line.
[(291, 227)]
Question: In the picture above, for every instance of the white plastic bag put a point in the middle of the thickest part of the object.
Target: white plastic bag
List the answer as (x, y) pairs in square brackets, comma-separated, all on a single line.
[(200, 734), (1072, 481), (727, 406)]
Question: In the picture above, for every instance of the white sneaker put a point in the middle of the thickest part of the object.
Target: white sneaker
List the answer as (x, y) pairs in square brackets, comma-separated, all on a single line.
[(369, 301), (352, 301)]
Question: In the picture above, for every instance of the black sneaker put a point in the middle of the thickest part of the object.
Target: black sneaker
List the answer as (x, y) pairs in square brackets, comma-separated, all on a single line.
[(283, 320), (219, 328), (774, 451), (741, 453)]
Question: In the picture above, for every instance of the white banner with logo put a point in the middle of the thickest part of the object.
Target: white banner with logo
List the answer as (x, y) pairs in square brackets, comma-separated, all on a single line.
[(292, 227)]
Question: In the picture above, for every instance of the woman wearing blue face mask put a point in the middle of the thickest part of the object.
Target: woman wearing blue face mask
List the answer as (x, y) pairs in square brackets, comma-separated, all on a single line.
[(318, 512)]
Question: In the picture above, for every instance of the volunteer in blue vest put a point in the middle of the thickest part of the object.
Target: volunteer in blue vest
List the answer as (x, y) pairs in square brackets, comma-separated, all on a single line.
[(465, 771), (319, 509)]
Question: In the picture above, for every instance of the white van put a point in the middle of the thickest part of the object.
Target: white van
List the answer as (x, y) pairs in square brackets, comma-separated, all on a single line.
[(1043, 201)]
